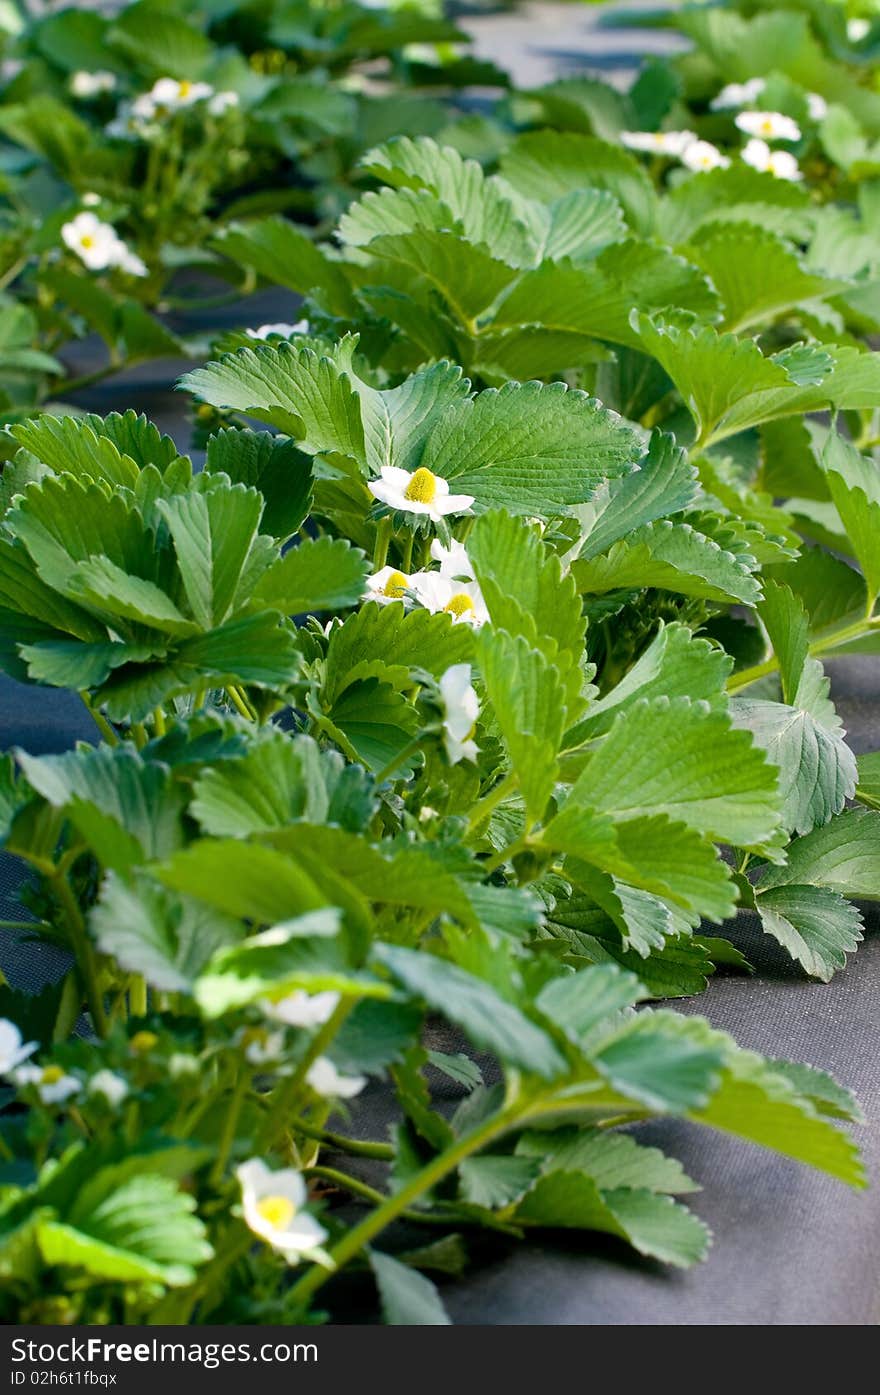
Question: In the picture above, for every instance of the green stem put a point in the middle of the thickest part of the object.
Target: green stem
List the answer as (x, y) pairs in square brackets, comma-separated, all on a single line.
[(357, 1147), (86, 379), (99, 720), (393, 1206), (406, 561), (346, 1183), (820, 648), (285, 1097), (83, 949), (239, 701), (482, 810), (230, 1123), (137, 996), (159, 721), (383, 538)]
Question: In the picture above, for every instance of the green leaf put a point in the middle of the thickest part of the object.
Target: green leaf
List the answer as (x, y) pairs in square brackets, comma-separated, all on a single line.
[(854, 481), (408, 1297), (150, 931), (679, 758), (817, 926), (665, 483), (467, 276), (271, 464), (71, 445), (868, 787), (655, 1225), (143, 1232), (844, 855), (546, 165), (530, 447), (284, 255), (611, 1159), (665, 1072), (495, 1180), (242, 879), (160, 41), (126, 808), (817, 770), (309, 398), (675, 664), (389, 641), (674, 557), (489, 1020), (597, 298), (528, 697), (527, 593), (278, 780), (579, 1003), (316, 575), (213, 531), (398, 421), (302, 953), (758, 275)]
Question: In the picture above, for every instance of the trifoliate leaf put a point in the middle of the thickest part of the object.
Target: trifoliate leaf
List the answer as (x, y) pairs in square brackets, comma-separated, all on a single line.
[(653, 1224)]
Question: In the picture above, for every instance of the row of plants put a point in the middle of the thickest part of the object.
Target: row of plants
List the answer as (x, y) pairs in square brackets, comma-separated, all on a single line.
[(131, 139), (485, 684)]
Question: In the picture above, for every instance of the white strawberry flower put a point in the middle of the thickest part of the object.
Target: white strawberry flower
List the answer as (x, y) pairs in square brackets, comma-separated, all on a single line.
[(273, 1207), (261, 1047), (817, 106), (768, 125), (112, 1086), (421, 492), (52, 1084), (658, 142), (172, 93), (90, 200), (12, 1049), (301, 1009), (738, 94), (86, 85), (387, 585), (857, 30), (453, 559), (702, 156), (461, 708), (222, 102), (284, 331), (326, 1080), (463, 600), (130, 262), (780, 163), (95, 243)]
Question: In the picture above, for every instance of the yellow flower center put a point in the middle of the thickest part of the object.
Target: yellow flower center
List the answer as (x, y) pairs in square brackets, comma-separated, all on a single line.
[(51, 1075), (87, 241), (185, 88), (395, 585), (460, 604), (143, 1041), (422, 487), (276, 1211)]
